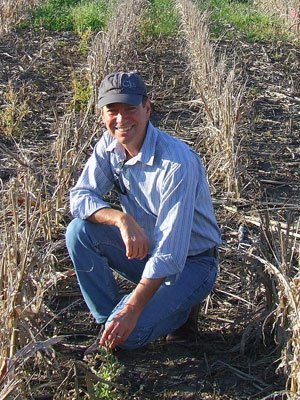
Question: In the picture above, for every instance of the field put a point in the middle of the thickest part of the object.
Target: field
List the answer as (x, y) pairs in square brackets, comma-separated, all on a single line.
[(224, 76)]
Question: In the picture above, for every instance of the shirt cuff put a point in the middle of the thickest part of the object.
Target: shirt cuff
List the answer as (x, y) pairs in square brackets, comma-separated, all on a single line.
[(162, 266), (88, 207)]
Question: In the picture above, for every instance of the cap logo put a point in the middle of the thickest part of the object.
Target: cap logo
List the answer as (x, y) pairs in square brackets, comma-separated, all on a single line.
[(128, 84)]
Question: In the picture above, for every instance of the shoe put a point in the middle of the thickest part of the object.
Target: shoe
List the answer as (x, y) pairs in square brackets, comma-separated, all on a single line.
[(188, 331), (94, 347)]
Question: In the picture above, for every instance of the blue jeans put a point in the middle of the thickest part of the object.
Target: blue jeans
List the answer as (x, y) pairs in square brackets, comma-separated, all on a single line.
[(97, 249)]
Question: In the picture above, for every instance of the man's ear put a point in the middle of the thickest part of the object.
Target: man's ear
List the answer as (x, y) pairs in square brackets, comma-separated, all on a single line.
[(102, 115), (148, 107)]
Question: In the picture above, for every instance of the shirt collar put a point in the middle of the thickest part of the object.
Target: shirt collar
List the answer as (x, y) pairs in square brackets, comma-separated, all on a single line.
[(147, 151)]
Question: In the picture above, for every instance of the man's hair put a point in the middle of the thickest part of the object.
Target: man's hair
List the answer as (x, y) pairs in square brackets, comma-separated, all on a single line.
[(144, 100)]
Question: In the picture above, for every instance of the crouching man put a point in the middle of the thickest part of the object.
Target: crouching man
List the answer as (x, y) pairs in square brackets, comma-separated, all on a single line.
[(166, 236)]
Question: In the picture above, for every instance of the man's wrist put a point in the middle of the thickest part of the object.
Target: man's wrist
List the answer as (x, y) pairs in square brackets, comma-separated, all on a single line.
[(133, 309)]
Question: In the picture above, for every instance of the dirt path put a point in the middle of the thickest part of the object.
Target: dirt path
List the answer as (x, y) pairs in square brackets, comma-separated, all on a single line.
[(214, 367), (272, 130)]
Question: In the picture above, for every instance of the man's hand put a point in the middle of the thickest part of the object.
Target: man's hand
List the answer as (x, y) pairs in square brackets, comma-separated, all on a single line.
[(119, 328), (122, 325), (134, 237)]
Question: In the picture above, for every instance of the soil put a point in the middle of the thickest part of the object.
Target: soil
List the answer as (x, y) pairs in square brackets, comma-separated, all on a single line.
[(234, 356)]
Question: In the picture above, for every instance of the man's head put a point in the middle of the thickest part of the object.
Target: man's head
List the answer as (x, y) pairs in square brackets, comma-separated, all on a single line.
[(122, 87), (125, 109)]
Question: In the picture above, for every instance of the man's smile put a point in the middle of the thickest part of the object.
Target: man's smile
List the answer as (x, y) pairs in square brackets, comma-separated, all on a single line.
[(123, 128)]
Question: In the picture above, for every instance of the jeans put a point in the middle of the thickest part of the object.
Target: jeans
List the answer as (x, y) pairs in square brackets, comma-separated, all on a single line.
[(97, 249)]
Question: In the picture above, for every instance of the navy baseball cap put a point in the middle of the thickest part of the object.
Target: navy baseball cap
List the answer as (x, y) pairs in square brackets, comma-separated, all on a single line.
[(122, 87)]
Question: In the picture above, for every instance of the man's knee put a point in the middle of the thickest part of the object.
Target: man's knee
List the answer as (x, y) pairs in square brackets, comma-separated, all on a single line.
[(138, 338), (74, 231)]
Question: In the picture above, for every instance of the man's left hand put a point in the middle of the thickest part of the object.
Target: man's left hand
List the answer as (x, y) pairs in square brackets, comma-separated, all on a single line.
[(119, 328), (122, 325)]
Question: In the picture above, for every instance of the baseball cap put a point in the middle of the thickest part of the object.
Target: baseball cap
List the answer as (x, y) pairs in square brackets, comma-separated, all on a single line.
[(121, 87)]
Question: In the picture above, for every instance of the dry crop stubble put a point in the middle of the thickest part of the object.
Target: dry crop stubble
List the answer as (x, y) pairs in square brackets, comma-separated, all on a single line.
[(32, 220), (220, 92), (12, 11), (114, 49), (74, 136), (286, 10), (25, 267), (33, 209), (273, 255), (283, 265)]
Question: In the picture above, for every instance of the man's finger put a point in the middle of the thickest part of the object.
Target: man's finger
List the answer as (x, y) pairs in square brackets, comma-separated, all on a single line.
[(133, 249), (129, 250)]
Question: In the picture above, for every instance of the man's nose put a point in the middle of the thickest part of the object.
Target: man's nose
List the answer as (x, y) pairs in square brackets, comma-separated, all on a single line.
[(121, 116)]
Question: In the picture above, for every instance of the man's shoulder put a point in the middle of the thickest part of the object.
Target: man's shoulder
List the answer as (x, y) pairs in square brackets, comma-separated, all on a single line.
[(171, 144)]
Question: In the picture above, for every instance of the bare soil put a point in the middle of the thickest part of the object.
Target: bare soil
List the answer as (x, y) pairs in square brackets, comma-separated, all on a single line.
[(235, 356)]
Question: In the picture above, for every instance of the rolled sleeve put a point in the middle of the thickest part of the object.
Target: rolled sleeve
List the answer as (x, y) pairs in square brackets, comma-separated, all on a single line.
[(160, 266), (83, 205), (95, 181)]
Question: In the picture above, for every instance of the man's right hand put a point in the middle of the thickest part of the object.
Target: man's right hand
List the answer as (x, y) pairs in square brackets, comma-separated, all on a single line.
[(135, 239)]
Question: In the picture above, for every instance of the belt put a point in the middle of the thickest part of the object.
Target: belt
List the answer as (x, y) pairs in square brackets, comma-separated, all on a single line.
[(213, 252)]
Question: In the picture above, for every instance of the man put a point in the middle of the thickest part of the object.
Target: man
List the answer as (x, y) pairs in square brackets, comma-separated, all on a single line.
[(166, 235)]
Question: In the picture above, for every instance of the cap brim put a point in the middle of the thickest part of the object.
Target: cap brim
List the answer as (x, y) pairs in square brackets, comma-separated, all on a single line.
[(132, 99)]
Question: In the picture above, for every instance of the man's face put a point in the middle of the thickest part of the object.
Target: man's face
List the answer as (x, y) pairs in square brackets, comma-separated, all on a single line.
[(127, 123)]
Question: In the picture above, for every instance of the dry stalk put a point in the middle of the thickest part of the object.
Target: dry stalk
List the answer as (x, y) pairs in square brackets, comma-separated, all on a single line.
[(25, 266), (114, 49), (32, 220), (12, 11), (74, 138), (278, 253), (219, 92), (32, 215), (288, 11)]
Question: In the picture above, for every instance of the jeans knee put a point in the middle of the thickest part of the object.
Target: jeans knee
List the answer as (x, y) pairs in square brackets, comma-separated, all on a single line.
[(138, 338), (74, 231)]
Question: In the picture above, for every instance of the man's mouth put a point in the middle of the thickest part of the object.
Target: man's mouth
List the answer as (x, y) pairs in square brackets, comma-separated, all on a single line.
[(123, 128)]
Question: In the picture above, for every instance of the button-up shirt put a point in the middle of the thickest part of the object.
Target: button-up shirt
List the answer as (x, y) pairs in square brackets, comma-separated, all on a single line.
[(166, 192)]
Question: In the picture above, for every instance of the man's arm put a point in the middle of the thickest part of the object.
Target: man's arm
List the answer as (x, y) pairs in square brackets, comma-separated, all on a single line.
[(125, 321), (137, 246), (134, 237)]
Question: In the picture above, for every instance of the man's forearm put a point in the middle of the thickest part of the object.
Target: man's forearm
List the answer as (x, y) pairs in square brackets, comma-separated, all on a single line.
[(107, 216), (134, 237), (122, 325), (143, 293)]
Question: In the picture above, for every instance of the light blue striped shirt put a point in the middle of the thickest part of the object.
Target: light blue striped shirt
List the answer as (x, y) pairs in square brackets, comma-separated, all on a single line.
[(166, 192)]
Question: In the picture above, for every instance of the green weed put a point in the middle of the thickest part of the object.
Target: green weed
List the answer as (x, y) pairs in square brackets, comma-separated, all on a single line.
[(89, 15), (82, 90), (85, 40), (161, 18), (13, 111), (109, 370), (229, 16), (54, 15), (69, 15)]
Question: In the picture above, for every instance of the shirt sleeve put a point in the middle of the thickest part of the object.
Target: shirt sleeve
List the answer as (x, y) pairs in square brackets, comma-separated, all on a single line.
[(95, 181), (174, 223)]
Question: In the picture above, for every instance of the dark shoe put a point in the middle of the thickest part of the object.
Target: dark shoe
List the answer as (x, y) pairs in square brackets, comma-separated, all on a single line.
[(188, 331), (94, 348)]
